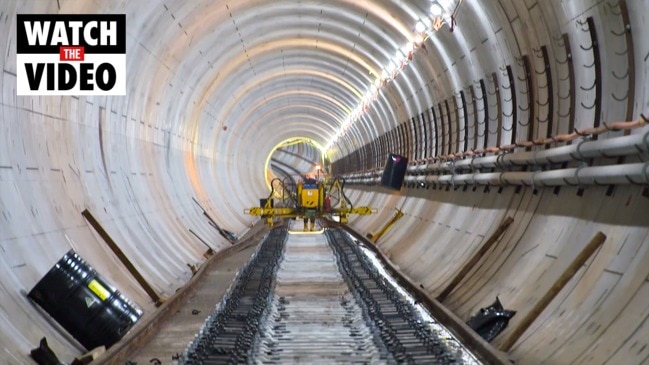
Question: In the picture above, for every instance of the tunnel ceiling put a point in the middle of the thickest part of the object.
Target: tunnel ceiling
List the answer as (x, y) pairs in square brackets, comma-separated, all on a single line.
[(215, 77), (213, 86), (268, 71)]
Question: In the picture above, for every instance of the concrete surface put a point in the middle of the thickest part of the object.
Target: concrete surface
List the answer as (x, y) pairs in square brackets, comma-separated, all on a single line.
[(180, 329), (213, 86)]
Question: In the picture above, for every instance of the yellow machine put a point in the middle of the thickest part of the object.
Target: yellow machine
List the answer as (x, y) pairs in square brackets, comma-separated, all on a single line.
[(310, 195), (308, 199)]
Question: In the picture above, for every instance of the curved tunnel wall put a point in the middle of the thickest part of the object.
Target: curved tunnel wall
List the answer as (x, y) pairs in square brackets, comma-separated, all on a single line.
[(600, 315), (213, 86)]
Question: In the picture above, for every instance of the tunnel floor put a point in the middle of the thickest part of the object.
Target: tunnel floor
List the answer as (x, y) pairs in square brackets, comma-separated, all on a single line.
[(301, 298), (180, 329)]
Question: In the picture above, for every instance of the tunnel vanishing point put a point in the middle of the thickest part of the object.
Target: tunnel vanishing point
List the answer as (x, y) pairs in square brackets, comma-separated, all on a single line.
[(524, 123)]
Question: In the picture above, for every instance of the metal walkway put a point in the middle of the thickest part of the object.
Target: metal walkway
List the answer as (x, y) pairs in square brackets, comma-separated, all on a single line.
[(317, 298)]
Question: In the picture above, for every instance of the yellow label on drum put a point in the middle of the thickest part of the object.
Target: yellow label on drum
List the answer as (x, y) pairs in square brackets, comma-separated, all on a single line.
[(98, 289)]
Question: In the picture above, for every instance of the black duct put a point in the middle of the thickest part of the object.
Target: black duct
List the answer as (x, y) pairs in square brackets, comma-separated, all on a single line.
[(394, 171)]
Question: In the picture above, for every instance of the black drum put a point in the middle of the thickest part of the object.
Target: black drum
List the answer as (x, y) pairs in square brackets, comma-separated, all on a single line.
[(79, 299), (394, 171)]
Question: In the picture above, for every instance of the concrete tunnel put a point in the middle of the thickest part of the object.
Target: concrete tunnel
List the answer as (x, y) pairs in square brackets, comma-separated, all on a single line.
[(534, 110)]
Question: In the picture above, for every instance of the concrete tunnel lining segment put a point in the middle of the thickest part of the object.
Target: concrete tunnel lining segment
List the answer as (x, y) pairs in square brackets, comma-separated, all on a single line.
[(136, 161)]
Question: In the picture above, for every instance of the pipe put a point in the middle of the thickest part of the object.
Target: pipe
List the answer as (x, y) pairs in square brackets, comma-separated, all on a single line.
[(588, 132), (634, 173), (613, 147)]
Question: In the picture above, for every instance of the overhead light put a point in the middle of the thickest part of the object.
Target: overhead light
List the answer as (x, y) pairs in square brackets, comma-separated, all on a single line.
[(420, 27), (444, 6), (441, 12), (436, 9), (444, 11), (391, 67)]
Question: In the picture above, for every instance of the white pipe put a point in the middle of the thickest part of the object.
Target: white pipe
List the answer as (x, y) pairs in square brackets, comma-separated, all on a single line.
[(586, 149), (634, 173), (613, 147)]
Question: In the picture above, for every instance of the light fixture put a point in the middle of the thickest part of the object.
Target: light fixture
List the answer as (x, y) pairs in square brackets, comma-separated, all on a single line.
[(391, 67), (419, 38), (441, 12), (436, 9), (444, 12), (420, 27), (410, 47)]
